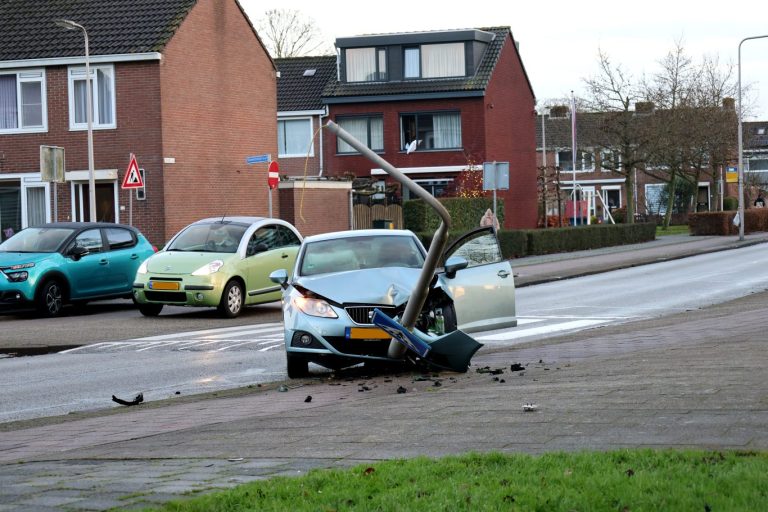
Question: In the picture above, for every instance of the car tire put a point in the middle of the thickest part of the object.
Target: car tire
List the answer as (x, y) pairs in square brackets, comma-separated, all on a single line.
[(231, 300), (50, 299), (150, 309), (298, 366)]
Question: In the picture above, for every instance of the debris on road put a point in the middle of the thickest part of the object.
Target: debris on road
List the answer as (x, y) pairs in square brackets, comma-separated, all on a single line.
[(401, 390), (530, 407), (308, 399), (136, 401), (516, 367)]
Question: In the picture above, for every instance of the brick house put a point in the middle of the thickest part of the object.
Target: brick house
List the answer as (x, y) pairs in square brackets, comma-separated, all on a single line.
[(185, 85), (462, 94), (755, 159)]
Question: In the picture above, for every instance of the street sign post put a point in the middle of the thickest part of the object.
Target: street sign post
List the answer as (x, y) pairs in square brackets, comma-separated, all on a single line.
[(495, 177), (272, 173), (131, 180), (259, 159)]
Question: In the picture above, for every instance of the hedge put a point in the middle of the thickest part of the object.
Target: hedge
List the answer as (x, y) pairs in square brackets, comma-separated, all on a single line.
[(465, 213), (532, 242), (721, 223)]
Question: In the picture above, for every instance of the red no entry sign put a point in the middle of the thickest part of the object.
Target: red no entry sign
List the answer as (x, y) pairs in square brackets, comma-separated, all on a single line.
[(273, 177)]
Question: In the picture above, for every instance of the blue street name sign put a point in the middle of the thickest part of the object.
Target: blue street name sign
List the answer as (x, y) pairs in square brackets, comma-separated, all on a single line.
[(258, 159)]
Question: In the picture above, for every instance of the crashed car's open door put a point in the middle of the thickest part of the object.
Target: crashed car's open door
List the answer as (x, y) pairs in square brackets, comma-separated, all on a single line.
[(484, 292)]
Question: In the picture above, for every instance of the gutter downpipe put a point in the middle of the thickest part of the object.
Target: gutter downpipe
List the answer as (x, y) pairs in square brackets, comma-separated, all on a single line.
[(439, 240)]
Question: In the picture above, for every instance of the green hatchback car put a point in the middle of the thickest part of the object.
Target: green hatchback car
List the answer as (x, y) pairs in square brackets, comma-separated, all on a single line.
[(221, 262)]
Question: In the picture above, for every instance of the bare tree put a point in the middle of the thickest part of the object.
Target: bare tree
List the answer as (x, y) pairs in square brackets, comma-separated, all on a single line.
[(613, 92), (288, 33)]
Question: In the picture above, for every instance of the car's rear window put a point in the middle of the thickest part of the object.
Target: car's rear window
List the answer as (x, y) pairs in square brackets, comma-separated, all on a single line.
[(363, 252), (36, 240)]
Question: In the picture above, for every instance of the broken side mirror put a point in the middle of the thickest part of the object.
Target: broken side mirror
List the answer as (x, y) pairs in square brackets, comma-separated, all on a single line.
[(280, 277), (453, 265)]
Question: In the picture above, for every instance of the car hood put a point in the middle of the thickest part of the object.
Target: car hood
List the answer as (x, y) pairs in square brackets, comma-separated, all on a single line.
[(177, 262), (386, 286), (8, 259)]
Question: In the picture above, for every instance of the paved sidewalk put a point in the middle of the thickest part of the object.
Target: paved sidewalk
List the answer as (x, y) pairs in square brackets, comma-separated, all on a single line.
[(696, 379)]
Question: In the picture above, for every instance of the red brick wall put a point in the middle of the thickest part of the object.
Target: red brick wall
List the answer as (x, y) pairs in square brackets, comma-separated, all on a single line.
[(510, 128), (315, 209), (219, 106), (471, 128), (138, 131)]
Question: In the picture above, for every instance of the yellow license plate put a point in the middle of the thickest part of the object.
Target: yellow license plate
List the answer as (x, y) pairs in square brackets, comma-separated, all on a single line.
[(366, 333), (163, 285)]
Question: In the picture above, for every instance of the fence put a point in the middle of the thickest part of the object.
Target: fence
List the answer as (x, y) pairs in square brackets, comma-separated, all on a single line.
[(364, 215)]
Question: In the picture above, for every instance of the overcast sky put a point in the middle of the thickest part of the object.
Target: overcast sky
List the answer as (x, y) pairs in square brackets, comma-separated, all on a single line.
[(559, 39)]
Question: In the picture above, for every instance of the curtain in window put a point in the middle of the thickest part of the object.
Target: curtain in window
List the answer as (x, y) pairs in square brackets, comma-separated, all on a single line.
[(9, 114), (377, 134), (441, 60), (361, 64), (80, 100), (447, 128), (293, 136), (35, 206), (358, 128), (412, 63), (31, 104), (10, 210), (104, 84)]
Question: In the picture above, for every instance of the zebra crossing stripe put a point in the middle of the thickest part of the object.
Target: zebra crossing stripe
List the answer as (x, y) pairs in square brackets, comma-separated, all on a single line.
[(544, 329)]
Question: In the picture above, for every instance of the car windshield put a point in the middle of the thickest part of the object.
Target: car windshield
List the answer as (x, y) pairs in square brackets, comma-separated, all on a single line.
[(36, 240), (214, 237), (362, 252)]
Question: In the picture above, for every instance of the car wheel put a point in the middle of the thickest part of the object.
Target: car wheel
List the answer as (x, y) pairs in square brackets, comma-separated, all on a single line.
[(231, 300), (49, 301), (150, 309), (298, 367), (449, 313)]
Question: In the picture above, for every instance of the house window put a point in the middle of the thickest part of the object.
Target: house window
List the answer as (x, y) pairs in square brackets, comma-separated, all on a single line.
[(294, 137), (609, 161), (585, 161), (432, 130), (102, 97), (366, 64), (22, 101), (367, 129), (436, 187), (434, 61)]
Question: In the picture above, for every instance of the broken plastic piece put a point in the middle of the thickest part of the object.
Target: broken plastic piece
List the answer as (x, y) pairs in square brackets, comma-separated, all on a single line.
[(530, 407), (136, 401)]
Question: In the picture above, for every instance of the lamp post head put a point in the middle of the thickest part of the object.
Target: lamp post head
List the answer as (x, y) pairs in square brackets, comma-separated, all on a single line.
[(67, 24)]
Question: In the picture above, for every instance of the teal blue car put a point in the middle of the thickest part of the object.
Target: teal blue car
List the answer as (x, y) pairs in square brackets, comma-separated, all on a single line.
[(48, 266)]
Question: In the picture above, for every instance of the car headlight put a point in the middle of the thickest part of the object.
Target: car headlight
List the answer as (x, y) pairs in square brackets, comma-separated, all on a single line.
[(315, 307), (16, 274), (209, 268), (143, 267)]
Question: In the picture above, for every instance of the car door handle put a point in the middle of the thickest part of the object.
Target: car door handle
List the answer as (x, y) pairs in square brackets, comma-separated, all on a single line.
[(502, 273), (284, 256), (103, 262), (134, 256)]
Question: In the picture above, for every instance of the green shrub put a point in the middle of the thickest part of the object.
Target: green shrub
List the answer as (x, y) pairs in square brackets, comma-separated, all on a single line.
[(730, 203), (465, 213)]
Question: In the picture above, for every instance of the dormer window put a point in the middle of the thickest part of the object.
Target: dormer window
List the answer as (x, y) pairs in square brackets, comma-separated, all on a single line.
[(444, 60), (366, 64)]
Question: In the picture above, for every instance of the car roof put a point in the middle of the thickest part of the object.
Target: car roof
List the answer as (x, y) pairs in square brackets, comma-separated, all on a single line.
[(234, 218), (83, 225), (358, 232)]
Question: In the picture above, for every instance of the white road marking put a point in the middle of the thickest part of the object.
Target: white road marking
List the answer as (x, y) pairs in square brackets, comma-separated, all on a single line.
[(514, 334)]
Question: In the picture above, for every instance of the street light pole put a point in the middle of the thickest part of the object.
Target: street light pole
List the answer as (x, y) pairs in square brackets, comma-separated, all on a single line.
[(71, 25), (741, 146)]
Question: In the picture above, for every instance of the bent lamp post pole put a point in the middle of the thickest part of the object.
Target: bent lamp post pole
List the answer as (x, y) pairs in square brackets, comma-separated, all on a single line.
[(419, 295), (71, 25), (741, 146)]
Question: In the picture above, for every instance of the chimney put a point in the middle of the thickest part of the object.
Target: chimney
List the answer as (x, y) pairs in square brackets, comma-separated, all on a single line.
[(644, 107), (729, 104)]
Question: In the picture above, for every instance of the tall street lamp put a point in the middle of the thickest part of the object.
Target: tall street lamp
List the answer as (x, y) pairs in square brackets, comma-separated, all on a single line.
[(71, 25), (741, 147)]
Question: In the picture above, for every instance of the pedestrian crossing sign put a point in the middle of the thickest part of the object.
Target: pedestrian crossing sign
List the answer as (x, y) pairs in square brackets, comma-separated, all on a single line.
[(133, 177)]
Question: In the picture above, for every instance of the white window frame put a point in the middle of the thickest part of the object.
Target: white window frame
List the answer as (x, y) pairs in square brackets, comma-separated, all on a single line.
[(77, 198), (78, 73), (310, 142), (582, 152), (28, 75), (432, 56)]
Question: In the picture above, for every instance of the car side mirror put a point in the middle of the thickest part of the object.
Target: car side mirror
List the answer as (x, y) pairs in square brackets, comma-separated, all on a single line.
[(280, 277), (77, 252), (255, 249), (454, 264)]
